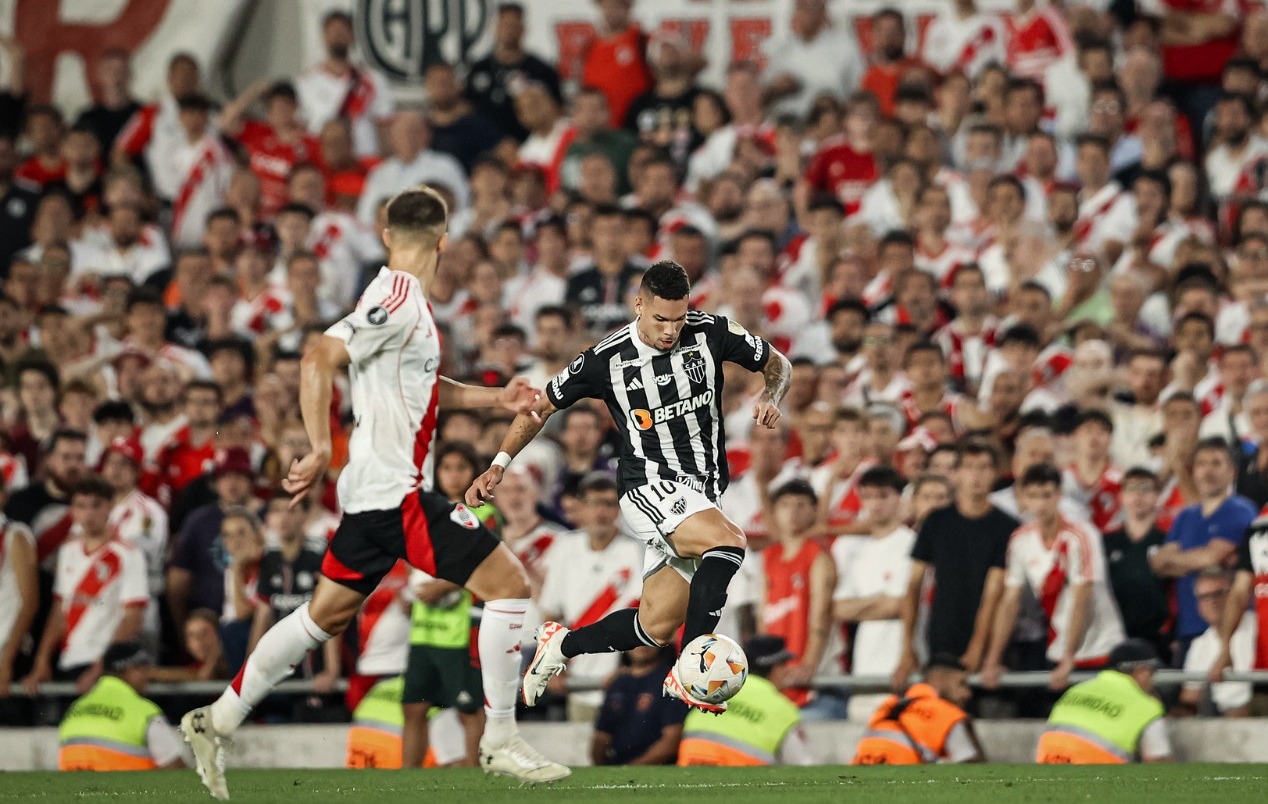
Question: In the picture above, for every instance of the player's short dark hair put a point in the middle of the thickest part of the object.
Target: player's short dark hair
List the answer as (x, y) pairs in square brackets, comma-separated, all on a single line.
[(419, 211), (144, 295), (851, 305), (114, 410), (1093, 415), (923, 346), (92, 485), (204, 385), (977, 447), (666, 280), (63, 434), (555, 311), (883, 477), (1214, 444), (596, 481), (1041, 474), (39, 365), (1140, 473), (795, 488)]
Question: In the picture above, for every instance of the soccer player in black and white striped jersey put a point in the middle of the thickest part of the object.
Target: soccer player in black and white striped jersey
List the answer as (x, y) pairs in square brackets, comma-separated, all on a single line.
[(661, 378)]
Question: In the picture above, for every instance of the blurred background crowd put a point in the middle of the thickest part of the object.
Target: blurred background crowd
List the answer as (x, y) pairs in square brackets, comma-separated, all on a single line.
[(1019, 261)]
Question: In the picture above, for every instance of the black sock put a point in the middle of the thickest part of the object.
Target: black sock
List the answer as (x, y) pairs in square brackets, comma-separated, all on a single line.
[(708, 590), (619, 631)]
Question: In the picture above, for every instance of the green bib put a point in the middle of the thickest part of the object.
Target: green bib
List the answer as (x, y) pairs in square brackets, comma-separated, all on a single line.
[(112, 712), (438, 627), (757, 719), (382, 704), (1110, 706)]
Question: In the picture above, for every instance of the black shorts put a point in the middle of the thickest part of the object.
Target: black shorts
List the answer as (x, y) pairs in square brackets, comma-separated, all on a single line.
[(444, 677), (430, 533)]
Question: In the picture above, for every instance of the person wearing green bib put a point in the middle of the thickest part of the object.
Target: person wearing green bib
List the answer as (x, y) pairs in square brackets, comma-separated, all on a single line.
[(1111, 719), (113, 728)]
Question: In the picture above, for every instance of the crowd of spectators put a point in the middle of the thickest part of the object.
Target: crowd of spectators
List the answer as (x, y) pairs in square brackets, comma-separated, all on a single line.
[(1019, 261)]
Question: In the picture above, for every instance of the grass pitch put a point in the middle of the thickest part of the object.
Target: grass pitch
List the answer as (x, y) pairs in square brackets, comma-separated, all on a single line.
[(941, 785)]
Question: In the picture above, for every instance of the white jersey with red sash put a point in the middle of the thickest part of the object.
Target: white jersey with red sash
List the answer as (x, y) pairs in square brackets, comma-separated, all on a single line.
[(949, 404), (93, 590), (1100, 499), (1092, 209), (1170, 503), (943, 264), (140, 521), (1052, 572), (968, 44), (966, 353), (1036, 40), (546, 151), (844, 504), (360, 95), (383, 626), (267, 311), (584, 585), (341, 244), (201, 172)]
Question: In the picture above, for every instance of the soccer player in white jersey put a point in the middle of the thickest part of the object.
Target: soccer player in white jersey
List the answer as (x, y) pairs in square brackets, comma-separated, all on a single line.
[(661, 378), (391, 345)]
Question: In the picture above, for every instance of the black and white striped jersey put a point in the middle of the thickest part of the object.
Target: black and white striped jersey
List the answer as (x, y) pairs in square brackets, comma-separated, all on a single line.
[(667, 405)]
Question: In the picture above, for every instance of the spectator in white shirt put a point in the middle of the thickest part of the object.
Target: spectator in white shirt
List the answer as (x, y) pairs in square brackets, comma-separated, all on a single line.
[(1230, 698), (338, 88), (813, 59), (410, 164), (1234, 146), (872, 580)]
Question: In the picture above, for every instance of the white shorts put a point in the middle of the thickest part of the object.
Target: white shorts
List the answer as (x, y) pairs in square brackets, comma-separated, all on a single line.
[(653, 512)]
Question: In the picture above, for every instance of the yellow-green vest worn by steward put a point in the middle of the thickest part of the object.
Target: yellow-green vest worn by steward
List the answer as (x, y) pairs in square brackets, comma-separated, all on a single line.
[(1099, 720), (381, 706), (749, 732), (106, 729), (449, 626)]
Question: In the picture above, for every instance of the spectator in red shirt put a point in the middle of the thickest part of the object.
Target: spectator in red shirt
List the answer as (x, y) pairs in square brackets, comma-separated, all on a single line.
[(1198, 38), (193, 447), (44, 128), (845, 166), (616, 60), (345, 171), (275, 145), (890, 62)]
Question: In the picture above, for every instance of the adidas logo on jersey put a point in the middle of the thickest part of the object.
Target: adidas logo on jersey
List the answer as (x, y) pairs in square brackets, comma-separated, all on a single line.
[(635, 385)]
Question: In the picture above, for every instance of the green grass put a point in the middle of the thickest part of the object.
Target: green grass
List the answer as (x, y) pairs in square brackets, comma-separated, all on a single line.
[(1189, 784)]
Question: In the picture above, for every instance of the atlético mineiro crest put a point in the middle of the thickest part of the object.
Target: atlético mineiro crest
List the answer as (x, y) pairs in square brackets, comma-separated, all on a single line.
[(462, 515), (694, 366)]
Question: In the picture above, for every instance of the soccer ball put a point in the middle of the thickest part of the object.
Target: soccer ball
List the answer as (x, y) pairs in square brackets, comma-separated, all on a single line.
[(712, 667)]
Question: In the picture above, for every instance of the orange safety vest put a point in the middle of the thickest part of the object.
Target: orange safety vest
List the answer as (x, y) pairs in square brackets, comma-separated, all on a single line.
[(95, 754), (911, 730), (370, 747), (1068, 746)]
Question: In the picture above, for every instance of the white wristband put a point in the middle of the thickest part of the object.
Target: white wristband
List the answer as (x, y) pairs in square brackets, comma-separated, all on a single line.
[(502, 460)]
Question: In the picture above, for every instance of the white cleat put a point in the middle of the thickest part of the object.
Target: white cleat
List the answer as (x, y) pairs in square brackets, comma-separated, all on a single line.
[(673, 688), (519, 760), (547, 663), (209, 750)]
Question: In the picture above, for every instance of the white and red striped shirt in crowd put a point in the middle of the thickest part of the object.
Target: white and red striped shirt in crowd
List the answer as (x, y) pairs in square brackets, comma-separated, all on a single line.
[(966, 352), (198, 175), (546, 151), (383, 625), (967, 44), (1036, 40)]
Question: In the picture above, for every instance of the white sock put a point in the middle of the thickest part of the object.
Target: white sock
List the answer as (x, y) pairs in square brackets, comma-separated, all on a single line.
[(281, 648), (500, 628)]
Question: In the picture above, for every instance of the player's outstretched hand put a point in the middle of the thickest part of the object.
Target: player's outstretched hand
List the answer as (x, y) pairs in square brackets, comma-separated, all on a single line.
[(519, 396), (766, 413), (482, 488), (305, 473)]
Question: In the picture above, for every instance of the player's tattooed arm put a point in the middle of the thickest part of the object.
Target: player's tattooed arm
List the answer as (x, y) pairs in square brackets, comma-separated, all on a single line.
[(778, 374)]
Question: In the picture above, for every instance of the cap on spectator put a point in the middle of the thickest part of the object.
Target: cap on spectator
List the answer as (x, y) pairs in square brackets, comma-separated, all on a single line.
[(1133, 655), (129, 448), (233, 460), (767, 651), (122, 655)]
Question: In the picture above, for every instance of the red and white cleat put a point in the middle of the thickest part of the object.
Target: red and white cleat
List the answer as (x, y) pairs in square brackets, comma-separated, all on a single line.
[(547, 663), (674, 689)]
